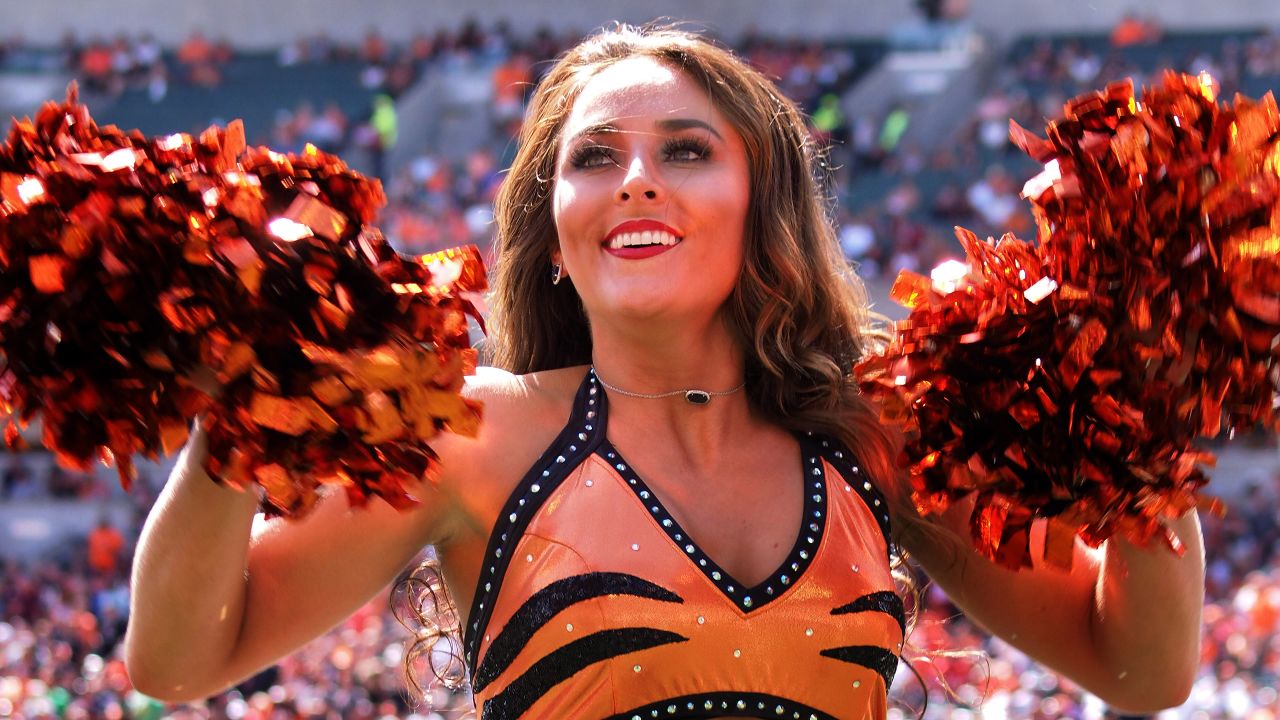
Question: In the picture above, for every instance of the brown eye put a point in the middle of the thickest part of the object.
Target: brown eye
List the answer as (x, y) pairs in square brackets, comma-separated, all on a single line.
[(686, 150), (589, 156)]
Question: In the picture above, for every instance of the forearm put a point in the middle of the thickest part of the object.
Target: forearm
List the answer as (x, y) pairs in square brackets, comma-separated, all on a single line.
[(1124, 622), (188, 584), (1145, 623)]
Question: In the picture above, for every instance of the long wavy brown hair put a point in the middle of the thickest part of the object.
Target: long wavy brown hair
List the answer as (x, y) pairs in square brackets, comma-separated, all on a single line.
[(798, 310)]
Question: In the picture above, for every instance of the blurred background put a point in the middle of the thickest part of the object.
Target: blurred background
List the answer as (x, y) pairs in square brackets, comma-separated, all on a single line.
[(914, 98)]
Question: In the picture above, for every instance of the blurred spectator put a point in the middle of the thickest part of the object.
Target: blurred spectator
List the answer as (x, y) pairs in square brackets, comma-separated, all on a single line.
[(995, 199), (829, 120), (893, 128), (421, 48), (385, 130), (199, 59), (993, 115), (1081, 65), (103, 546), (512, 81), (196, 50), (950, 205), (1133, 30), (902, 200), (907, 246), (328, 130), (866, 148), (157, 83), (147, 53), (17, 481), (374, 50), (858, 241), (96, 69)]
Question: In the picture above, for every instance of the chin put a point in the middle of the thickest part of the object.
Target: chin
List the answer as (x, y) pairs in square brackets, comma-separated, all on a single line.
[(675, 298), (667, 311), (641, 311)]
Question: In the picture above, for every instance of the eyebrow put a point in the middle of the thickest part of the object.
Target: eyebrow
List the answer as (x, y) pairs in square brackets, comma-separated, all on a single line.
[(668, 125), (675, 124)]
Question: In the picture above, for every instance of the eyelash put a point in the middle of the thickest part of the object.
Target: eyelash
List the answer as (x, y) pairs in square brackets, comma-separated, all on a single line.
[(587, 156)]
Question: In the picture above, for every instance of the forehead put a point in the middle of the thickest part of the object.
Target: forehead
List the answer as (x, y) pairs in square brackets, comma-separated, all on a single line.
[(639, 89)]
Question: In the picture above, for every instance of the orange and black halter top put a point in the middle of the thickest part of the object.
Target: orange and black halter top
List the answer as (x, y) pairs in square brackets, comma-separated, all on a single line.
[(594, 603)]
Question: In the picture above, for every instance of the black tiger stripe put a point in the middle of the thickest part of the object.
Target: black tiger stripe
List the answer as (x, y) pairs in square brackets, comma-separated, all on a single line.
[(550, 601), (871, 657), (567, 661), (885, 601)]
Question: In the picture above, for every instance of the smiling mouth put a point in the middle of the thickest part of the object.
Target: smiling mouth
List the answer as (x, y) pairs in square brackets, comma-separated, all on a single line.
[(648, 238)]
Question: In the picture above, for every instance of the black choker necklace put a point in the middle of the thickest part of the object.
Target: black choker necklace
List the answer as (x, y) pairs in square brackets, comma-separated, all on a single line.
[(693, 396)]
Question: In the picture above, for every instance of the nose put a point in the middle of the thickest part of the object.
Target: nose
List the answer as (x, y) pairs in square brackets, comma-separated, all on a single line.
[(638, 182)]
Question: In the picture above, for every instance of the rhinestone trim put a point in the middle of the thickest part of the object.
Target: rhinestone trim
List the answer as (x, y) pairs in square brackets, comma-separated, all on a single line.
[(720, 704)]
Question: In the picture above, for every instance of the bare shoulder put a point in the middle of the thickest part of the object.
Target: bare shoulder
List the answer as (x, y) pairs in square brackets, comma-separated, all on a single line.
[(513, 401), (521, 416)]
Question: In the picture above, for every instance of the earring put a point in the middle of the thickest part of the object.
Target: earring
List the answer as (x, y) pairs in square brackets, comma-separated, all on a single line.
[(555, 273)]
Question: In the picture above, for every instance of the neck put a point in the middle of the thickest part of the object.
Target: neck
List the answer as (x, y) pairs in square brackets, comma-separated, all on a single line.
[(668, 357), (672, 357)]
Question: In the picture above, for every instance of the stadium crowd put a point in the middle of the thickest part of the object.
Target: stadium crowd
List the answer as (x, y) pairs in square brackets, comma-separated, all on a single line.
[(63, 617)]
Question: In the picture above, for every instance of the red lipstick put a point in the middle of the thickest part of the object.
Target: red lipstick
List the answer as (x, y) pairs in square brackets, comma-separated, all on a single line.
[(641, 225), (640, 252)]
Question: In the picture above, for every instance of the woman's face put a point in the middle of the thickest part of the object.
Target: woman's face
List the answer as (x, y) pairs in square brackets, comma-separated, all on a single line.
[(650, 196)]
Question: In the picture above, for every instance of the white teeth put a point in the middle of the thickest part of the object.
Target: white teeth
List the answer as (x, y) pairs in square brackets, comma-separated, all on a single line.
[(648, 237)]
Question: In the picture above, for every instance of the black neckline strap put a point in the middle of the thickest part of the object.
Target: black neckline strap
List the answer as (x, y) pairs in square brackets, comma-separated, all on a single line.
[(576, 442), (845, 463)]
